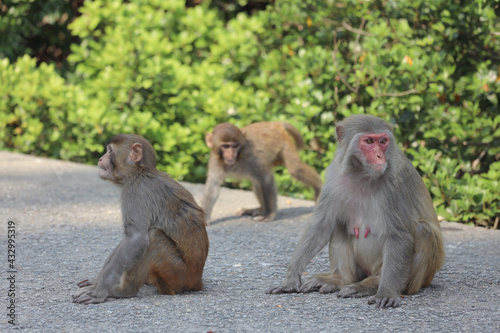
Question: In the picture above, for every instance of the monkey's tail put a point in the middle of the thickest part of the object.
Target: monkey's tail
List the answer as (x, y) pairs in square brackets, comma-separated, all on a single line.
[(297, 137)]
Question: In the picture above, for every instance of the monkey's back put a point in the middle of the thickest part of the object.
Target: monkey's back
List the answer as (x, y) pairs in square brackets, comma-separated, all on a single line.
[(270, 139), (172, 209)]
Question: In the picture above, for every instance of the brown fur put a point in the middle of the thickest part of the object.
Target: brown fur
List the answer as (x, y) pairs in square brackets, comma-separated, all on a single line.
[(165, 241), (252, 152), (378, 217)]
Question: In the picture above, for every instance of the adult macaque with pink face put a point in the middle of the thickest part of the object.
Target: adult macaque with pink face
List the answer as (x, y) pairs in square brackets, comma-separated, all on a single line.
[(378, 217)]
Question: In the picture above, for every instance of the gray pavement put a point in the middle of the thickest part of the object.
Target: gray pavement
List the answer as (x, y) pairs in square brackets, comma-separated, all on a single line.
[(67, 221)]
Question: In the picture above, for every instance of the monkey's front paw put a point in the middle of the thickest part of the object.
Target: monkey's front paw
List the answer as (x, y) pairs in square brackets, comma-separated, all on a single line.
[(261, 218), (314, 284), (353, 290), (281, 290), (310, 285), (249, 212), (88, 297), (79, 293), (86, 283), (287, 287), (385, 302)]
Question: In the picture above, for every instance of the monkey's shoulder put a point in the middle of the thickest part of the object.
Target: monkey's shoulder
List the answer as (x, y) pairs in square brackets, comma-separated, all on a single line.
[(156, 186)]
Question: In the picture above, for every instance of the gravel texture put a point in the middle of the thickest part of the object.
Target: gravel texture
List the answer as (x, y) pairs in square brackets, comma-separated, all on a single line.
[(67, 221)]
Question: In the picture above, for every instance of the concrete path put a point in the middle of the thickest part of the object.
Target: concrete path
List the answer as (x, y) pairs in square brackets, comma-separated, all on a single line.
[(67, 221)]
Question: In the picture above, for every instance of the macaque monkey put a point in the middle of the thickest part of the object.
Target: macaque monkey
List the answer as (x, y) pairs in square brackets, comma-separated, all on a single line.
[(252, 152), (165, 242), (376, 212)]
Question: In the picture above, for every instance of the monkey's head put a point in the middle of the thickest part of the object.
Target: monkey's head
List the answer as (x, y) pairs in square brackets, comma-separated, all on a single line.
[(126, 155), (368, 143), (226, 140)]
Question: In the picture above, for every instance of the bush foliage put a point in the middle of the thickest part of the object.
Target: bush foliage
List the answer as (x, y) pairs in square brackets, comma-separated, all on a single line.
[(171, 72)]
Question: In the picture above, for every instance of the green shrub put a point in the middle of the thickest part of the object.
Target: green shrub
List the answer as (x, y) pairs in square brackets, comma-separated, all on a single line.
[(171, 73)]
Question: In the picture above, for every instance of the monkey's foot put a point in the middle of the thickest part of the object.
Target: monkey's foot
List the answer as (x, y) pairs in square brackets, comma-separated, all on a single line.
[(256, 214), (292, 286), (385, 302), (318, 284), (355, 290), (261, 218), (250, 212)]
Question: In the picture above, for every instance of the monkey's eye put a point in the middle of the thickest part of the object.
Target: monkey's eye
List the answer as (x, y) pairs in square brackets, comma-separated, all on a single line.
[(369, 141), (225, 146), (383, 141)]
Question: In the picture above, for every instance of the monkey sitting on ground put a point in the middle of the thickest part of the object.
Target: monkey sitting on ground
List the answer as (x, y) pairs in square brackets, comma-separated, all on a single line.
[(378, 216), (252, 152), (165, 242)]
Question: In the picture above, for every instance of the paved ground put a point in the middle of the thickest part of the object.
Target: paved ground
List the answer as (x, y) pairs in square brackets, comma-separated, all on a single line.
[(67, 221)]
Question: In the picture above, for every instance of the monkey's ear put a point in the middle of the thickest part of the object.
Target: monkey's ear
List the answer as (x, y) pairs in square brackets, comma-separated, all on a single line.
[(208, 140), (135, 152), (340, 133)]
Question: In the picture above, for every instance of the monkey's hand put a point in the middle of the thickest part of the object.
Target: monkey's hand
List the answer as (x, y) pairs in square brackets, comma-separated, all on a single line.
[(86, 283), (256, 214), (288, 286), (384, 301), (89, 296), (261, 218)]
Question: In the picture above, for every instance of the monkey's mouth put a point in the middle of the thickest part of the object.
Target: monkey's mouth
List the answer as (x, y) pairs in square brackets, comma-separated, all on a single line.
[(379, 166), (378, 169)]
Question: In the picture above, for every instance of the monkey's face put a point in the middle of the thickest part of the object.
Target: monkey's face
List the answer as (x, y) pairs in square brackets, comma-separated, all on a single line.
[(373, 148), (106, 164), (229, 152)]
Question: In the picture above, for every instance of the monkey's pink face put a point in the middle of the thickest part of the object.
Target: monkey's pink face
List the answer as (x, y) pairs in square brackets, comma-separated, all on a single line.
[(106, 165), (229, 152), (373, 146)]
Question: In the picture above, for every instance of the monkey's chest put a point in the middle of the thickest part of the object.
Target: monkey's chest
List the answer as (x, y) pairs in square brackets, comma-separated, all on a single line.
[(365, 234)]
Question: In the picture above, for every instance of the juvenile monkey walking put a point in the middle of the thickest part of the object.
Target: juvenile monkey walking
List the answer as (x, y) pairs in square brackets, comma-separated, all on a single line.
[(378, 217), (165, 242), (252, 152)]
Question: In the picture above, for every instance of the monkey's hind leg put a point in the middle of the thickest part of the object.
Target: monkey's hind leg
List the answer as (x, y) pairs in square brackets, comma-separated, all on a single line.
[(301, 171), (428, 256), (325, 283), (167, 269), (267, 195)]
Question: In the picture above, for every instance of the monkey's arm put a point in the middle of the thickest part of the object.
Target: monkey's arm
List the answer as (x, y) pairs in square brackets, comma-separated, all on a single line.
[(123, 258), (212, 188), (93, 282), (396, 265), (314, 239)]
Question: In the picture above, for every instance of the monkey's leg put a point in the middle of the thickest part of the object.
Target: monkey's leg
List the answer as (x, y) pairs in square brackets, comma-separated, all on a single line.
[(267, 195), (367, 287), (428, 256), (168, 271), (344, 269), (301, 171)]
